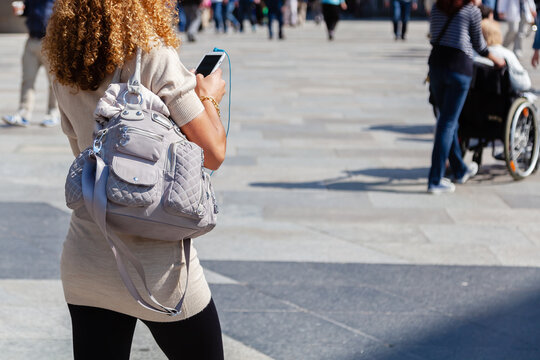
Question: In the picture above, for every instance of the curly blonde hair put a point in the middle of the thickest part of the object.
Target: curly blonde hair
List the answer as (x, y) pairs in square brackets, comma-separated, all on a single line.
[(88, 39)]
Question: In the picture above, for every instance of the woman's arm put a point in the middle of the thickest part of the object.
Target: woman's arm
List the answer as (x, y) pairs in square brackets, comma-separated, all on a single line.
[(206, 130), (497, 61)]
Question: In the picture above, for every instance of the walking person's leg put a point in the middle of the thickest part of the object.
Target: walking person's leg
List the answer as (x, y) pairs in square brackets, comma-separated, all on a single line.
[(217, 9), (193, 14), (230, 16), (522, 28), (100, 333), (52, 117), (450, 91), (198, 337), (511, 33), (243, 8), (181, 18), (405, 16), (327, 16), (271, 17), (294, 12), (279, 15), (396, 16), (331, 18), (30, 68)]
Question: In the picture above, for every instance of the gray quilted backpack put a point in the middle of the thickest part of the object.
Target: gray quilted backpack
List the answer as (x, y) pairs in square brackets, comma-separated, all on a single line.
[(141, 177)]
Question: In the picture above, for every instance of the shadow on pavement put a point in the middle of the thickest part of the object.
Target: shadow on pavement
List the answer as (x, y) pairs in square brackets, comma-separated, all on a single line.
[(390, 180), (406, 129)]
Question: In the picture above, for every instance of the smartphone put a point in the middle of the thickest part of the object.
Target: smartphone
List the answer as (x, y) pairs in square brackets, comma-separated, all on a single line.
[(209, 63)]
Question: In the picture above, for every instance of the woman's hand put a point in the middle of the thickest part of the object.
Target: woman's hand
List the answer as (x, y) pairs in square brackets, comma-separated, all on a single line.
[(535, 58), (206, 129), (497, 61), (343, 5), (212, 85)]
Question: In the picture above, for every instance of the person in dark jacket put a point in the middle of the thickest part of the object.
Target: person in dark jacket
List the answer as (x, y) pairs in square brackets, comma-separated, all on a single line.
[(275, 11), (37, 13)]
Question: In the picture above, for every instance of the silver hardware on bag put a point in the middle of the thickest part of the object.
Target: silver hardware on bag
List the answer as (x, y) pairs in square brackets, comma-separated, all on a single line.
[(138, 95), (98, 143)]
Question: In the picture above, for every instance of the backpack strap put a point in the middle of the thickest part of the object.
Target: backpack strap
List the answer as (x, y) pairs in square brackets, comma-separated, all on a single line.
[(445, 27), (134, 81)]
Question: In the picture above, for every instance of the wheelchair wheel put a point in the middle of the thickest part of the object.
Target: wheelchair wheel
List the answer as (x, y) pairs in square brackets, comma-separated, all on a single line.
[(521, 145)]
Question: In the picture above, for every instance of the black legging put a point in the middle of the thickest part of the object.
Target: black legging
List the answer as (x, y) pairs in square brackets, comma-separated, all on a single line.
[(107, 335), (331, 15)]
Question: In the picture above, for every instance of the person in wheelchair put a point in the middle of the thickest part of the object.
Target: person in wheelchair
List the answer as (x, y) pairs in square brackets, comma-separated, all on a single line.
[(519, 77)]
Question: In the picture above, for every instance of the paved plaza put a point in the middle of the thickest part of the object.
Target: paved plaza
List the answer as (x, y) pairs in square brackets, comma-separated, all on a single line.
[(328, 246)]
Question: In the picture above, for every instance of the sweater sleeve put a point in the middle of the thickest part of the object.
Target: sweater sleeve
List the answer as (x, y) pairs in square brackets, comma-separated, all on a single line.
[(174, 84), (475, 31)]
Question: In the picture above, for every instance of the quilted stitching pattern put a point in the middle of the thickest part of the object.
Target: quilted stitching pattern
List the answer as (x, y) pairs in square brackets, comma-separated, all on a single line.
[(187, 192), (73, 186), (130, 195)]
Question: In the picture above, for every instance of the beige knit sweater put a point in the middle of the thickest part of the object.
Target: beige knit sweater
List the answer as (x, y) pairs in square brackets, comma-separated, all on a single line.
[(88, 268)]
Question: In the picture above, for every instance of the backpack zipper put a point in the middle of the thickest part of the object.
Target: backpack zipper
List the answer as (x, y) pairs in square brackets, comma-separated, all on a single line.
[(126, 130)]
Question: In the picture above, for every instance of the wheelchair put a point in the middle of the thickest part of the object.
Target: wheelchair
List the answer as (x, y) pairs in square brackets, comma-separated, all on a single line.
[(494, 111)]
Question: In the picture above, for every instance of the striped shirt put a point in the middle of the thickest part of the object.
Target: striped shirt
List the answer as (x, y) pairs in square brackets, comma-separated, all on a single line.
[(464, 31)]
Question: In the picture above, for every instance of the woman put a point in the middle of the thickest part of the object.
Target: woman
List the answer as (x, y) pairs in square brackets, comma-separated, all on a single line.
[(331, 9), (86, 40), (455, 29)]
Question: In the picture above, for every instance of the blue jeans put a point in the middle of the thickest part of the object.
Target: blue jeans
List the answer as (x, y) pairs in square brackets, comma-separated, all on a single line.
[(402, 11), (229, 8), (449, 91), (217, 9), (181, 18), (274, 12)]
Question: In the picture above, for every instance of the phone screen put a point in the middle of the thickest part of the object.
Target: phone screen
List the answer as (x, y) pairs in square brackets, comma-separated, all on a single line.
[(207, 64)]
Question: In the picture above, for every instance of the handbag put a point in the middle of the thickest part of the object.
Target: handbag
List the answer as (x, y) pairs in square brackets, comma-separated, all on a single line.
[(141, 177)]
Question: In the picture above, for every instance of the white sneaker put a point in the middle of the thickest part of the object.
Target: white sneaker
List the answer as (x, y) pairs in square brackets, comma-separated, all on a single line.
[(15, 120), (472, 170), (445, 186), (50, 121)]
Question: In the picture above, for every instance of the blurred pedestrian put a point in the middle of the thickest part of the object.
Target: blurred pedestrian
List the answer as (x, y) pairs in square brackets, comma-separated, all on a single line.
[(103, 313), (316, 10), (401, 13), (428, 4), (229, 6), (456, 31), (275, 12), (246, 8), (291, 9), (518, 14), (302, 11), (331, 10), (217, 10), (192, 10), (37, 13)]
